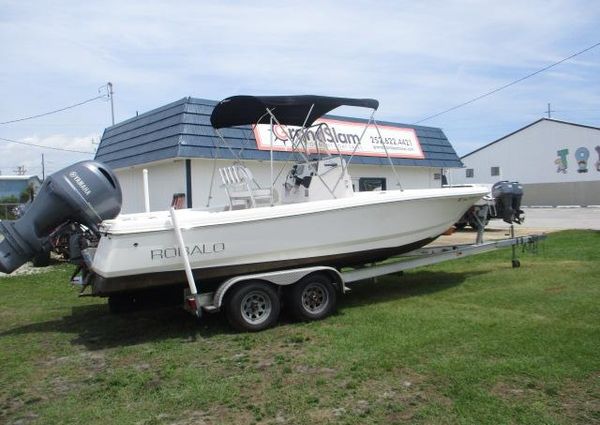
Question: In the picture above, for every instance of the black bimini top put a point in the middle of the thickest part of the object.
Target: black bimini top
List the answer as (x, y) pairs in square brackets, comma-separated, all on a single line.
[(289, 110)]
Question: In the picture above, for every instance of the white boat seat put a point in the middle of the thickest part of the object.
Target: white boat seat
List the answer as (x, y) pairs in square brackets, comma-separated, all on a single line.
[(241, 187)]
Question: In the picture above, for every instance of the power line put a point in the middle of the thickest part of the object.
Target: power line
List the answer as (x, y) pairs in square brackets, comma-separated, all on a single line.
[(509, 84), (102, 96), (577, 110), (45, 147)]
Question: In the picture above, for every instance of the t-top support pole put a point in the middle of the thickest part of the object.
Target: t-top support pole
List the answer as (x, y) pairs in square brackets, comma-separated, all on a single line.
[(186, 262)]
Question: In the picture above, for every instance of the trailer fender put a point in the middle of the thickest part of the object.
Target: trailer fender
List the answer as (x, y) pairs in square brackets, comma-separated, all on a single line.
[(279, 278)]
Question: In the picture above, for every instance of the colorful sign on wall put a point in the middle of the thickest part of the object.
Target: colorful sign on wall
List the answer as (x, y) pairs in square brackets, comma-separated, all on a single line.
[(561, 161), (582, 155), (335, 136)]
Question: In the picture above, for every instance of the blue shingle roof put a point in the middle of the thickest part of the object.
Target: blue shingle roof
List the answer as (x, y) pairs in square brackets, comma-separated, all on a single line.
[(182, 130)]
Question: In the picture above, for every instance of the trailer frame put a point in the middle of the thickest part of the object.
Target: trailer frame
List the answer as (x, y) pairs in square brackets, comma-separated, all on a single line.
[(211, 302)]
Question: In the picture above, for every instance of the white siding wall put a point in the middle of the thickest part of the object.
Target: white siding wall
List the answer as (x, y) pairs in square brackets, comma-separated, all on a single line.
[(410, 177), (529, 156), (167, 178)]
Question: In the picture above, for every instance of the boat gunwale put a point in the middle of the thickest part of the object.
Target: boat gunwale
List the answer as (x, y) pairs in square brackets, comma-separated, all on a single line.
[(192, 223)]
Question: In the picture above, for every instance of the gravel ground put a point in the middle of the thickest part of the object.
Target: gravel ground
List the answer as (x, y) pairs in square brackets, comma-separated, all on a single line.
[(563, 218), (537, 220)]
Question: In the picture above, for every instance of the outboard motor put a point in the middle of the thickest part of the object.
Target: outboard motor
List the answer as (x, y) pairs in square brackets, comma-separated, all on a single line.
[(508, 197), (87, 193)]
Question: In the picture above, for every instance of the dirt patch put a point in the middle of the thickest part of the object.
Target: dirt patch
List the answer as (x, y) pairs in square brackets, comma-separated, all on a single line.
[(26, 269), (212, 416), (515, 392), (555, 289), (305, 369), (26, 418), (399, 397), (11, 406), (580, 401), (577, 401), (193, 417), (322, 415), (61, 386), (93, 361)]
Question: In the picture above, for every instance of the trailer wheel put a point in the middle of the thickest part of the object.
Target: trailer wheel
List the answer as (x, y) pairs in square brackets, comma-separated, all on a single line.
[(252, 307), (312, 298)]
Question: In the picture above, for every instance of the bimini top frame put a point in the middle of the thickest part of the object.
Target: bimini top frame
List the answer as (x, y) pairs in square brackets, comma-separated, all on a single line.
[(300, 111)]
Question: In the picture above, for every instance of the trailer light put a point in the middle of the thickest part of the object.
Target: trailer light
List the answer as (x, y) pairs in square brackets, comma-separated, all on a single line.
[(191, 302)]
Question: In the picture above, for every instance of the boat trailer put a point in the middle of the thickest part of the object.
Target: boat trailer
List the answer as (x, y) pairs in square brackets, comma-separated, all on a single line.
[(307, 289)]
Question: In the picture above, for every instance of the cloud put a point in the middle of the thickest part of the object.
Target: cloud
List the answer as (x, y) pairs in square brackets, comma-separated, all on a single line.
[(417, 58), (13, 155)]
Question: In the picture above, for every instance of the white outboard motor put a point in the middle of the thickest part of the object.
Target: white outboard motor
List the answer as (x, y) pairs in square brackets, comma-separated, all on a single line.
[(87, 193)]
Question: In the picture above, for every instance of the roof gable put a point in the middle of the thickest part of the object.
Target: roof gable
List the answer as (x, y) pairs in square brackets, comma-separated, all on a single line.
[(525, 128)]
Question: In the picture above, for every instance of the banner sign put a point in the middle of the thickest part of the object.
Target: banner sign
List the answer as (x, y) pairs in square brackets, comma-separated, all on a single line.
[(399, 142)]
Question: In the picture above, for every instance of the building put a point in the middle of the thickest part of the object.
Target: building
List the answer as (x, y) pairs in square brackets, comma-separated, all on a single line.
[(18, 188), (181, 152), (557, 162)]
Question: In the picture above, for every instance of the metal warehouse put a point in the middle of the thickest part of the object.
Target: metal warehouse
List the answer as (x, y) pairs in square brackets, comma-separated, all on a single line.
[(178, 146), (557, 162)]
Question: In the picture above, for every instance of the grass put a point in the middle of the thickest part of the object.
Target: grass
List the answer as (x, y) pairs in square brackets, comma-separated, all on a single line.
[(471, 341)]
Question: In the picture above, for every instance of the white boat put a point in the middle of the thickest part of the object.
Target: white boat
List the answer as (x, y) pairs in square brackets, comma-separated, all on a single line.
[(319, 219), (265, 245)]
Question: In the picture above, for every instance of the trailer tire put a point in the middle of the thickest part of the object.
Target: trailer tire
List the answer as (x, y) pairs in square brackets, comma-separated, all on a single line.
[(312, 298), (252, 306)]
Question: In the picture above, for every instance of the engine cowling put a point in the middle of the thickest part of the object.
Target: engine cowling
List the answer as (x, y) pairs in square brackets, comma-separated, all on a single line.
[(508, 197), (87, 193)]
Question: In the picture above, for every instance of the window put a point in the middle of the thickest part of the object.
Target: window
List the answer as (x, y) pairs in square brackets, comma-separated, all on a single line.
[(470, 173), (495, 171), (437, 176), (367, 184)]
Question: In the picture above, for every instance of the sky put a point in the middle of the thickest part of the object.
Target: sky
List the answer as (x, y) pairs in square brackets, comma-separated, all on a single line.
[(416, 57)]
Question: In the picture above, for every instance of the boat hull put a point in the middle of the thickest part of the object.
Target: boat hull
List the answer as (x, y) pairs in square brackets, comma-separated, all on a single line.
[(349, 232), (208, 276)]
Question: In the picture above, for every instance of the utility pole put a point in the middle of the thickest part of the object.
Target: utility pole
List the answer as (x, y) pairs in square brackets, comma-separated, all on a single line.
[(549, 111), (112, 105), (43, 168)]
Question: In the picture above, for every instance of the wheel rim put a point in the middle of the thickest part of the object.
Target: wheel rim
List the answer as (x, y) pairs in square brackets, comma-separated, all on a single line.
[(256, 307), (315, 298)]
